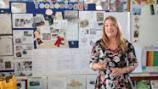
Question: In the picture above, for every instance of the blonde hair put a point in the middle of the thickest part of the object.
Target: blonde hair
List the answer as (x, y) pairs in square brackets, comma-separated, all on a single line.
[(119, 37)]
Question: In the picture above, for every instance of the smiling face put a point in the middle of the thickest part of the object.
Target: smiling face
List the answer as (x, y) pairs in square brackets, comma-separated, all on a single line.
[(110, 28)]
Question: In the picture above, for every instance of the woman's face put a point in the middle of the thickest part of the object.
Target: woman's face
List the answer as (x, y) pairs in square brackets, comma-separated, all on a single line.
[(110, 28)]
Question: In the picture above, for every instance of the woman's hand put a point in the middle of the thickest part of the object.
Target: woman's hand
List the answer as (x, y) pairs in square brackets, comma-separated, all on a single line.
[(117, 71), (99, 66), (121, 71)]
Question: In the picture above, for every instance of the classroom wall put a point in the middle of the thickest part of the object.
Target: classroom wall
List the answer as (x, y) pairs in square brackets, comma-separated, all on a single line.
[(52, 46)]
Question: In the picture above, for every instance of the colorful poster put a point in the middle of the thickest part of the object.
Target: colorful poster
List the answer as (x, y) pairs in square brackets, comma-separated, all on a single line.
[(150, 62), (52, 37)]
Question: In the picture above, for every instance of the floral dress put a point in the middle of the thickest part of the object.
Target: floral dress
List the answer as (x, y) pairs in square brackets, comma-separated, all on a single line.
[(113, 59)]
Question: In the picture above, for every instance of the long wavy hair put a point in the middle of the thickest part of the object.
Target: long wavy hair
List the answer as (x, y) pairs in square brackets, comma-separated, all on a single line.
[(119, 37)]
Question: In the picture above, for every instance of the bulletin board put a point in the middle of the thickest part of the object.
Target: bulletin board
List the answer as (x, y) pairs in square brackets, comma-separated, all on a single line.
[(71, 58)]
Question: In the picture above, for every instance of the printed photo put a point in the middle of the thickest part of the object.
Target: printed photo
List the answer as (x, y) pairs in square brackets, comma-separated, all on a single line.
[(4, 4), (18, 7), (6, 62), (22, 20), (84, 23), (71, 16), (46, 36), (38, 20)]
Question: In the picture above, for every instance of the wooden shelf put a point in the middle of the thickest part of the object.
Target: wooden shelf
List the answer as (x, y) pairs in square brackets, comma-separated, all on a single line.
[(145, 76)]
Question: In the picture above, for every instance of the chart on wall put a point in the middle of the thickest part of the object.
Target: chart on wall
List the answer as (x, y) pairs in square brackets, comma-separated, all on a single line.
[(150, 59)]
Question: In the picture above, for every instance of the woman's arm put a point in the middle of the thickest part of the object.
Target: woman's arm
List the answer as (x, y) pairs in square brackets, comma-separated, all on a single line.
[(98, 66), (124, 70), (96, 62)]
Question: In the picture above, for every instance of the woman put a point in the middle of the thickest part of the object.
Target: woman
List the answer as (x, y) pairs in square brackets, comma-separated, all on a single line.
[(113, 57)]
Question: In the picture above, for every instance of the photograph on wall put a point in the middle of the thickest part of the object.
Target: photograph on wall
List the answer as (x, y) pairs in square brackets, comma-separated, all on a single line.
[(18, 7), (23, 36), (5, 24), (76, 82), (37, 82), (4, 4), (22, 20), (23, 51), (38, 20), (100, 18), (71, 16), (85, 18), (23, 67), (6, 63), (6, 45)]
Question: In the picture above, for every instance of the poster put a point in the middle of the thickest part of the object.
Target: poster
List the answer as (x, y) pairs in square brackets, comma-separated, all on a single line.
[(6, 63), (6, 45), (22, 20), (18, 7), (51, 37), (4, 4), (23, 43), (5, 24)]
